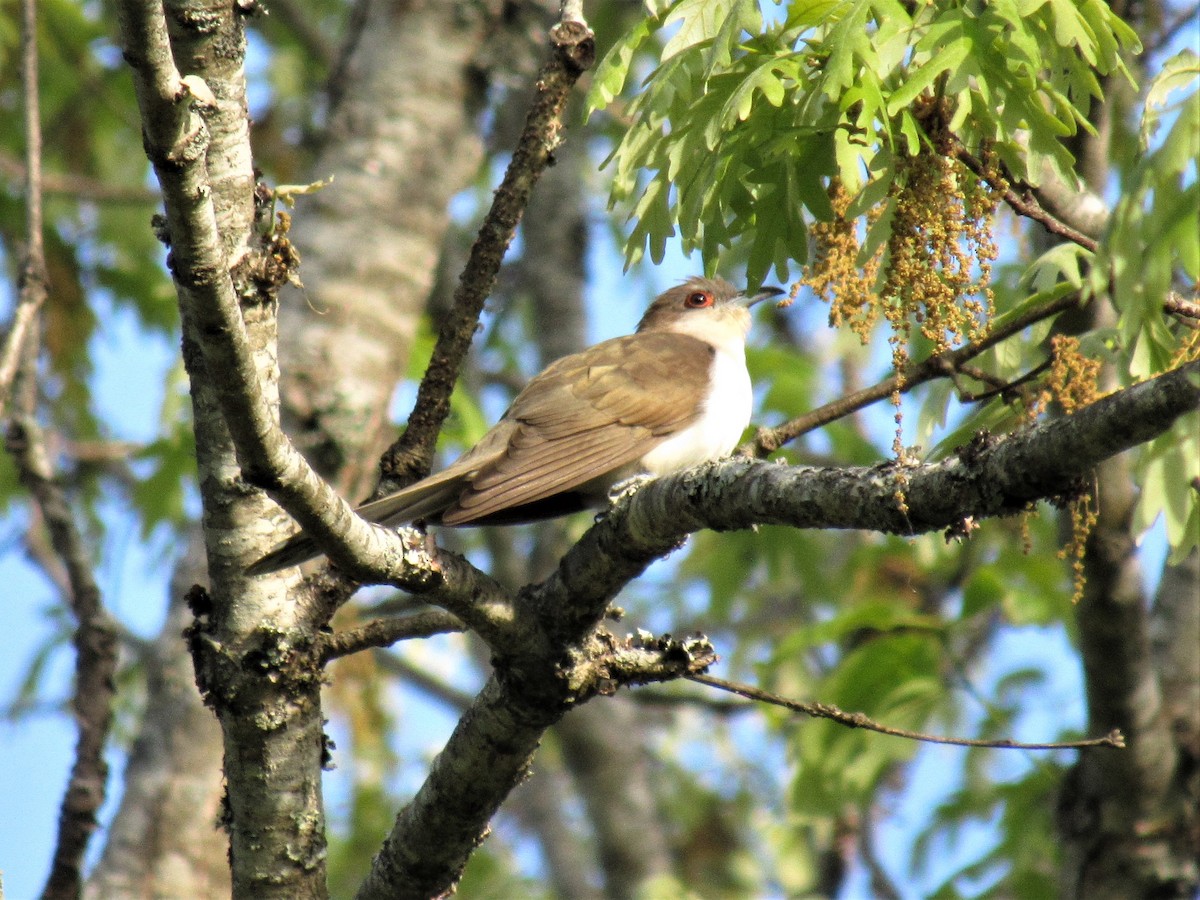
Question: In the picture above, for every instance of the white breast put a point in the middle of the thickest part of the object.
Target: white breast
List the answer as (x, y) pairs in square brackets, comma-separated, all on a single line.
[(726, 414)]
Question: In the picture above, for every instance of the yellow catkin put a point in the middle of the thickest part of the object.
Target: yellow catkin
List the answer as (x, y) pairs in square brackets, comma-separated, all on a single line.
[(1083, 520), (1187, 351), (835, 275), (939, 254), (1073, 378), (1071, 382)]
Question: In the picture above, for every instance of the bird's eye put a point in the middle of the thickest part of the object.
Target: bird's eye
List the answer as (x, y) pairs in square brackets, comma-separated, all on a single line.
[(699, 300)]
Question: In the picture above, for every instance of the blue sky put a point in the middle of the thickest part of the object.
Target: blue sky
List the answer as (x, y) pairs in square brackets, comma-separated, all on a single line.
[(130, 379)]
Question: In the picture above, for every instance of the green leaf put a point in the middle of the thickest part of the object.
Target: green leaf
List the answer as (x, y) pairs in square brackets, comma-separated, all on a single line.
[(698, 20), (947, 59), (1058, 267), (613, 70)]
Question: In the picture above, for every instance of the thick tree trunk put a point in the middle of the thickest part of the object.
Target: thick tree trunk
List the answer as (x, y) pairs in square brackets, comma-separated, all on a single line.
[(1129, 819), (402, 141)]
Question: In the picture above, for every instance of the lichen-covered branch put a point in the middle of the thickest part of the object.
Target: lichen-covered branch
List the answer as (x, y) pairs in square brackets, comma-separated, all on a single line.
[(490, 751), (385, 632), (990, 477)]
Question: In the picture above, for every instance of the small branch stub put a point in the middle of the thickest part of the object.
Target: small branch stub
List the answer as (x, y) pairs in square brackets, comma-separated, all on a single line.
[(575, 44)]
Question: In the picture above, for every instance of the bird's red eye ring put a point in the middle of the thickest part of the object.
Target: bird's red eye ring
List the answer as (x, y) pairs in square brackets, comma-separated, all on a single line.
[(699, 300)]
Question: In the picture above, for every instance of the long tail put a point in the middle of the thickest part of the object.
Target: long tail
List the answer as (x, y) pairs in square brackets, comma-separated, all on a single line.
[(426, 500), (295, 550)]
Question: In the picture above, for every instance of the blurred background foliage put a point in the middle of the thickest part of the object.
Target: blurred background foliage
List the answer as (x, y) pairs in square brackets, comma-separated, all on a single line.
[(720, 124)]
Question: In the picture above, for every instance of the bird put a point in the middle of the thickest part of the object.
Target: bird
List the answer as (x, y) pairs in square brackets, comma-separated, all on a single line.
[(673, 394)]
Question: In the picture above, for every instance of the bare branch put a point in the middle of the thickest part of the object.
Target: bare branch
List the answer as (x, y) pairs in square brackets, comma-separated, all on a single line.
[(1025, 203), (95, 637), (768, 440), (861, 720), (31, 291), (95, 642), (573, 53), (1000, 387), (385, 632)]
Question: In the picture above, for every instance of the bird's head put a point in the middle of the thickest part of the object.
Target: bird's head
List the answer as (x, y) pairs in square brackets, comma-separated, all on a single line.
[(711, 309)]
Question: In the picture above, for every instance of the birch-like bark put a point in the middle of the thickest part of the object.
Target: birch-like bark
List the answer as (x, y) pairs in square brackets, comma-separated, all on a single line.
[(250, 646)]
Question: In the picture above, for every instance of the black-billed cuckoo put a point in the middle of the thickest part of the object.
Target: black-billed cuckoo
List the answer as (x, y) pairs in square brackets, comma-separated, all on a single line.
[(673, 394)]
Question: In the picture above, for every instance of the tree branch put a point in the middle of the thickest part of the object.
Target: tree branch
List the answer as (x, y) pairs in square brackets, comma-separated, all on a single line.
[(385, 632), (1024, 202), (1177, 306), (31, 289), (497, 736), (989, 477), (95, 637), (768, 440), (490, 750), (176, 137), (861, 720), (573, 53), (95, 641), (252, 650)]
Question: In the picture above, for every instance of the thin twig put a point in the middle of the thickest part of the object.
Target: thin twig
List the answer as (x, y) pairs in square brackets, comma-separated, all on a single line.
[(32, 287), (385, 632), (768, 440), (573, 53), (78, 186), (998, 384), (860, 720), (1024, 203), (1177, 306), (1001, 387), (95, 636)]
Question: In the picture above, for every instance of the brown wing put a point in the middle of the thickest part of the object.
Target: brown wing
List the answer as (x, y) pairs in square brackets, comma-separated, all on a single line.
[(589, 415)]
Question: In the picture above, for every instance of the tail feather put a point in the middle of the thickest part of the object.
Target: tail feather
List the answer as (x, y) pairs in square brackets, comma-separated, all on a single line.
[(295, 550), (425, 500)]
